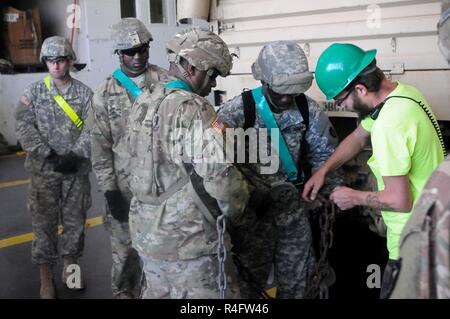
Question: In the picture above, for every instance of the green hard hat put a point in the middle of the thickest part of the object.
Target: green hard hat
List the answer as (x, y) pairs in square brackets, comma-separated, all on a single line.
[(340, 64)]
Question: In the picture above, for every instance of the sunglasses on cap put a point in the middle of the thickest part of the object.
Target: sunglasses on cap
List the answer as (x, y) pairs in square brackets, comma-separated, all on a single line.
[(132, 52)]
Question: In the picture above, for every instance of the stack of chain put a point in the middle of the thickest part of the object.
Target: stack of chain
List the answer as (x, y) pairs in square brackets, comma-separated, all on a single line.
[(324, 276)]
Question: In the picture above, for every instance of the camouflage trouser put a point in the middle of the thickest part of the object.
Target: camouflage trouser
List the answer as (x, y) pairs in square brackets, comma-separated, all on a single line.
[(295, 262), (254, 245), (55, 198), (284, 241), (126, 272), (187, 279)]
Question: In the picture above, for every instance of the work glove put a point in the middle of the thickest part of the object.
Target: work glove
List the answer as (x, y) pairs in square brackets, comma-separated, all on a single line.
[(117, 204), (65, 164), (52, 157)]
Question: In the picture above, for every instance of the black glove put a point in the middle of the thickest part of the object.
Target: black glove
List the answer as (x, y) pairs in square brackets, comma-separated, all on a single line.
[(66, 164), (52, 158), (118, 206)]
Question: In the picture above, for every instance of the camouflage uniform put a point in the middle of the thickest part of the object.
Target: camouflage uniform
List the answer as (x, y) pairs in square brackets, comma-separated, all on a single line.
[(425, 240), (42, 126), (424, 245), (110, 111), (171, 233), (282, 238), (444, 30)]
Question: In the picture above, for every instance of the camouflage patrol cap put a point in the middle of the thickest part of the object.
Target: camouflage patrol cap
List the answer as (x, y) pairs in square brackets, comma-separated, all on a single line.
[(444, 30), (57, 46), (129, 33), (284, 67), (202, 49)]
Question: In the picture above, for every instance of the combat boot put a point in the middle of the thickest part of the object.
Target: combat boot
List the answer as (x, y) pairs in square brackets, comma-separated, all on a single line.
[(47, 284), (123, 295), (75, 283)]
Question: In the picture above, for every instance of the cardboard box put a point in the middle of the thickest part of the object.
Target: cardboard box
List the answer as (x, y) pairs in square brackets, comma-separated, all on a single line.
[(22, 34)]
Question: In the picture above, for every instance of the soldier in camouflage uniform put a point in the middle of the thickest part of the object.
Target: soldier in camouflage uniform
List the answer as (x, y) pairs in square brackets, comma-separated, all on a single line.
[(425, 241), (110, 110), (58, 151), (172, 225), (281, 236)]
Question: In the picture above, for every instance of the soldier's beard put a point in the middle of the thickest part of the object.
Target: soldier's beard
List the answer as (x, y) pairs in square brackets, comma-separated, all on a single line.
[(133, 71), (362, 109), (205, 88)]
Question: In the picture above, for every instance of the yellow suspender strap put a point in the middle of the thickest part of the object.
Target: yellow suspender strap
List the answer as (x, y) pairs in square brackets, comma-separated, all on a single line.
[(64, 105)]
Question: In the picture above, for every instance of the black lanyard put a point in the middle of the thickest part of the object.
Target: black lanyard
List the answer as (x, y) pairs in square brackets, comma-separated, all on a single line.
[(376, 111)]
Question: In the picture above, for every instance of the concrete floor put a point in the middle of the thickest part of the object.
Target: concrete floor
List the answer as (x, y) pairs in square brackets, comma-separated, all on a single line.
[(18, 277)]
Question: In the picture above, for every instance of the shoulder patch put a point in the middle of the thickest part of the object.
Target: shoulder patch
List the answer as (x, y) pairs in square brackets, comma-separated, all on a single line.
[(25, 100), (218, 126)]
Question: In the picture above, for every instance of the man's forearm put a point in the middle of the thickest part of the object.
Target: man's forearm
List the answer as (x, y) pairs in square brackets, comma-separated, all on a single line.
[(396, 196), (381, 201), (372, 199)]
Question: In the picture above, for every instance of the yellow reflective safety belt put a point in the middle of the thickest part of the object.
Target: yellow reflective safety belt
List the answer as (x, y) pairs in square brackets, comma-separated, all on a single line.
[(64, 105)]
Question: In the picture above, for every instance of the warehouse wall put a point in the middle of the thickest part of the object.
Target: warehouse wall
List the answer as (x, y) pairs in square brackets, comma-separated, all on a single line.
[(91, 42), (403, 31)]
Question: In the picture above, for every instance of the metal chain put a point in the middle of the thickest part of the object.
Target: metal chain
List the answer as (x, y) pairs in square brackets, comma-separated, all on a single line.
[(326, 226), (221, 255), (324, 276)]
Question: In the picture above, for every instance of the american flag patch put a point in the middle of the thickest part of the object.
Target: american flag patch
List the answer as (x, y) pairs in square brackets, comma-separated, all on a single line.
[(218, 126)]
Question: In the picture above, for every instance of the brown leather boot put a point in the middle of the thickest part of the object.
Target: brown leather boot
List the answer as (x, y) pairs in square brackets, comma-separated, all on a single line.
[(74, 284), (47, 285)]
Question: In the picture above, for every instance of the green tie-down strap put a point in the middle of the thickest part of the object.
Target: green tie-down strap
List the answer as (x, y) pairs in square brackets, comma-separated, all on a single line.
[(127, 83), (281, 147), (178, 84)]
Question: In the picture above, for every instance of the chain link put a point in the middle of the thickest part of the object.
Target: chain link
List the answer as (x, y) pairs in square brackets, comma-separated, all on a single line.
[(221, 255), (324, 276)]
